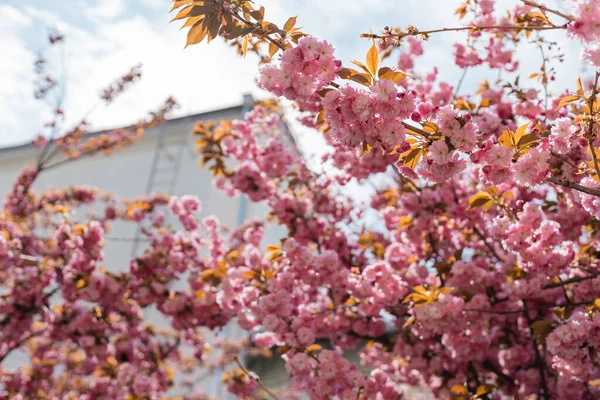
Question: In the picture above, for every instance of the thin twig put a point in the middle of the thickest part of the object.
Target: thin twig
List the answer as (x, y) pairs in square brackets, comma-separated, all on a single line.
[(460, 82), (417, 32), (491, 367), (540, 45), (488, 245), (500, 312), (591, 136), (20, 342), (544, 8), (564, 159), (256, 380), (540, 363)]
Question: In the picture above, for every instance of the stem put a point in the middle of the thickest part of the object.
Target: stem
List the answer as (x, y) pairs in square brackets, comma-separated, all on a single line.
[(500, 312), (489, 246), (266, 36), (591, 136), (540, 45), (258, 382), (544, 8), (564, 159), (164, 355), (417, 32), (541, 365), (460, 82), (491, 367), (19, 343)]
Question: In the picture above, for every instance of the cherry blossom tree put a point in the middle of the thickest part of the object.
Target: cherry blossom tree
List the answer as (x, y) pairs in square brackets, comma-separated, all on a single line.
[(480, 278)]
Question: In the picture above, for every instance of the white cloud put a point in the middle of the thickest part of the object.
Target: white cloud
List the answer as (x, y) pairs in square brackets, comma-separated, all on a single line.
[(203, 76), (105, 8), (200, 77), (156, 3), (16, 93)]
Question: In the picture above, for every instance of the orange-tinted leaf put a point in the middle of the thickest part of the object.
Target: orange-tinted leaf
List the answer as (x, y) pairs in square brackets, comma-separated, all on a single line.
[(346, 73), (320, 117), (289, 24), (459, 389), (541, 329), (373, 59), (430, 127), (508, 195), (361, 65), (566, 100), (259, 14), (196, 34), (481, 199), (507, 138), (520, 132), (245, 45), (366, 149), (313, 348), (383, 70), (482, 390), (273, 48), (394, 76), (413, 157), (250, 274), (527, 139), (179, 3), (183, 13), (191, 21), (276, 256)]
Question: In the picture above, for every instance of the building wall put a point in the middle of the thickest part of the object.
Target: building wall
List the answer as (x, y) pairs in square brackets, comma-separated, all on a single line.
[(126, 174)]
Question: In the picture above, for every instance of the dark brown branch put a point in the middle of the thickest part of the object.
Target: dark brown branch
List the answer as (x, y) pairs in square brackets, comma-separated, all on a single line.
[(573, 185), (572, 280), (20, 342), (489, 246), (539, 361), (487, 364)]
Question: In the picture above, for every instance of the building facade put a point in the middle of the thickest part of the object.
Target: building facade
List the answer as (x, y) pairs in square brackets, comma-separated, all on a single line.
[(163, 160)]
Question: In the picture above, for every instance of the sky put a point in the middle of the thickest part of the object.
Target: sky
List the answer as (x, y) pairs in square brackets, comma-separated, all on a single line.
[(105, 38)]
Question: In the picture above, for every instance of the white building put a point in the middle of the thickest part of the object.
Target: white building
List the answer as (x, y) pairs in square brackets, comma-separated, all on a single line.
[(163, 160)]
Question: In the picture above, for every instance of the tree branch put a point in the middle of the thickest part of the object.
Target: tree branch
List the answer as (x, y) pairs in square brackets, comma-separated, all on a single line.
[(591, 136), (416, 32), (573, 185), (572, 280), (539, 361)]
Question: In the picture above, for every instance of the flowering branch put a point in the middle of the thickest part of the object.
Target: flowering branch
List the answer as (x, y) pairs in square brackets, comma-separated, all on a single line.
[(412, 31)]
